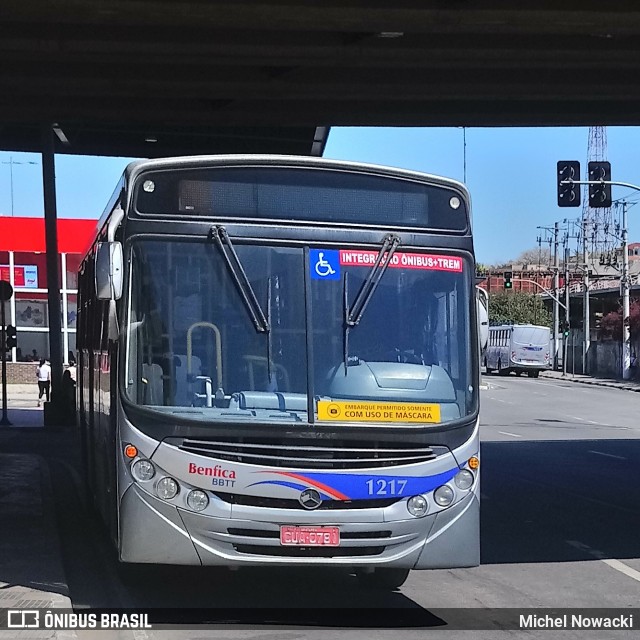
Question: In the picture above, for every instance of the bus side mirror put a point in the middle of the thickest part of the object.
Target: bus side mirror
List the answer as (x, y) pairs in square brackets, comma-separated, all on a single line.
[(109, 271), (482, 303)]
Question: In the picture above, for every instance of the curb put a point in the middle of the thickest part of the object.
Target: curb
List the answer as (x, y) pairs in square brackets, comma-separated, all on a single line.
[(594, 382)]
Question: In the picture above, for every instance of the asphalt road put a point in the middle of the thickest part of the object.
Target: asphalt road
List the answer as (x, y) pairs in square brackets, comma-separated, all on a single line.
[(560, 522)]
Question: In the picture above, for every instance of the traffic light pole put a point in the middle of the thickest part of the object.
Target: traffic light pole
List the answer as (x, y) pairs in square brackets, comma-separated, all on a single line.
[(3, 344), (625, 284), (556, 283), (554, 298), (567, 302)]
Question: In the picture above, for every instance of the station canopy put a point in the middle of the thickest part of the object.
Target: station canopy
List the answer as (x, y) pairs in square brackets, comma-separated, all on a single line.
[(156, 78)]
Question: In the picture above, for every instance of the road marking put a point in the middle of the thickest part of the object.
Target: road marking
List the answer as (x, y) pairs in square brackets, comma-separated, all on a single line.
[(609, 455), (506, 433), (503, 401), (599, 424), (612, 562), (560, 386)]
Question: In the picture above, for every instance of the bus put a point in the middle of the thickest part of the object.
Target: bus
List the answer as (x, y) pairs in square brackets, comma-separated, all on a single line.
[(278, 364), (522, 348)]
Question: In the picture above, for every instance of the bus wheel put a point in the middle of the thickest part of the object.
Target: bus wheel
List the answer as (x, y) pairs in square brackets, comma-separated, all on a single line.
[(533, 374), (486, 367), (387, 579)]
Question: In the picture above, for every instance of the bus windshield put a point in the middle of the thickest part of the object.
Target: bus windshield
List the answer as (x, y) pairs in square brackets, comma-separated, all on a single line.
[(194, 349)]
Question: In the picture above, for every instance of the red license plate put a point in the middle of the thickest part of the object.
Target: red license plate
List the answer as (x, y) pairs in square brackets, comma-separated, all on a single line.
[(294, 536)]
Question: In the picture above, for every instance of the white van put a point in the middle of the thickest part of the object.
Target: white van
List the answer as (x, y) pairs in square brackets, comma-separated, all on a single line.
[(523, 348)]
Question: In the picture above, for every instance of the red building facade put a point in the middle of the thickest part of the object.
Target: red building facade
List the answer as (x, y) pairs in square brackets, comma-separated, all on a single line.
[(23, 264)]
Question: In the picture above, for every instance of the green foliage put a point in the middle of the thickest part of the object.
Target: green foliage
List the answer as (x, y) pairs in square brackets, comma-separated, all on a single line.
[(518, 308)]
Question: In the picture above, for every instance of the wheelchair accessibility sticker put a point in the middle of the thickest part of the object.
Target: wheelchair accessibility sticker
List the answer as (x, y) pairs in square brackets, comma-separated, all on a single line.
[(324, 264)]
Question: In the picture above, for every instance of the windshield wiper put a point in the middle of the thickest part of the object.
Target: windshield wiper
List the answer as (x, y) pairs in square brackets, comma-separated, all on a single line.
[(353, 314), (262, 324), (220, 236), (389, 245)]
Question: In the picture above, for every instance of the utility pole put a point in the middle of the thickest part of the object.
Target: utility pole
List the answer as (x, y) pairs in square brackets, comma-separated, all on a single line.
[(625, 285), (585, 300), (556, 285)]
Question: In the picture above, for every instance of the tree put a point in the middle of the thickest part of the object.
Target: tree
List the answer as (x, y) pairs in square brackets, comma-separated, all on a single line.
[(611, 324), (538, 255), (518, 308)]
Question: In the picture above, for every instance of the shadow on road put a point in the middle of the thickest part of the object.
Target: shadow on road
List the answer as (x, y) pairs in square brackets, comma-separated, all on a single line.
[(560, 501), (543, 501)]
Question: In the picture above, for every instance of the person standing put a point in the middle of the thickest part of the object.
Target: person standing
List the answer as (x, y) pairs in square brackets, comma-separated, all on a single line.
[(44, 379)]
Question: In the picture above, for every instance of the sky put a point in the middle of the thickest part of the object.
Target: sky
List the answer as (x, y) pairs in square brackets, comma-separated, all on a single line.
[(510, 172)]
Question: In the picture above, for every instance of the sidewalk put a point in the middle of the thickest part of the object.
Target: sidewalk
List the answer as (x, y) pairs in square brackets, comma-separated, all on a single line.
[(21, 392), (624, 385), (22, 403), (31, 571)]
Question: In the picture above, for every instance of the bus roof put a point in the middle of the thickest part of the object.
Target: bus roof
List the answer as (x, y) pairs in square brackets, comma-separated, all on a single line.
[(184, 162)]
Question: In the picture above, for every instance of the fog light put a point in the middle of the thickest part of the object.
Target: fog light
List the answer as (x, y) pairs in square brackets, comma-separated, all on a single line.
[(167, 488), (197, 500), (143, 470), (464, 479), (443, 495), (417, 506)]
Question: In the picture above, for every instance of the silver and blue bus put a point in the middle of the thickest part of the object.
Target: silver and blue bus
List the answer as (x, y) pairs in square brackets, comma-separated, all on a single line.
[(278, 364), (521, 348)]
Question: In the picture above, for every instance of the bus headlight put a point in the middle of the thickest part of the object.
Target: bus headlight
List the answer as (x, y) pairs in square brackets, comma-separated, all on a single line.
[(464, 479), (443, 495), (197, 500), (417, 506), (143, 470), (167, 488)]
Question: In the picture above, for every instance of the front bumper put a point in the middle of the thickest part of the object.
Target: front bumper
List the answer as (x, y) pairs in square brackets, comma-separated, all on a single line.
[(154, 531)]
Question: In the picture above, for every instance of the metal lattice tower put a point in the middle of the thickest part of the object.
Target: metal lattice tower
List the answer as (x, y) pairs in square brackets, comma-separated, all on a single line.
[(599, 226)]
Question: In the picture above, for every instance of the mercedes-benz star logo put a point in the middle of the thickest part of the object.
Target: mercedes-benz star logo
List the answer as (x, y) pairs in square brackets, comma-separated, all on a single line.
[(310, 499)]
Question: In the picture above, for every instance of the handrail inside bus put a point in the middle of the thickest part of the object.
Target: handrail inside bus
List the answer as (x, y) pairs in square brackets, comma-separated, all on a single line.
[(216, 332)]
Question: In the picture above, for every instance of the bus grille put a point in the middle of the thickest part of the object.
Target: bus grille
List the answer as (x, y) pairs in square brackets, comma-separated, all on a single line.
[(308, 552), (283, 503), (310, 454), (265, 542), (268, 533)]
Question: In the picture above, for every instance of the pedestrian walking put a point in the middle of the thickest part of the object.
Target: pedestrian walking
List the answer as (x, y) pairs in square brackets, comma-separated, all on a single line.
[(43, 373)]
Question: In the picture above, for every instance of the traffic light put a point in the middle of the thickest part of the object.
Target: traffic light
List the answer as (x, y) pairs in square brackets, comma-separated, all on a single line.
[(569, 193), (600, 194), (12, 339), (507, 280), (565, 328)]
